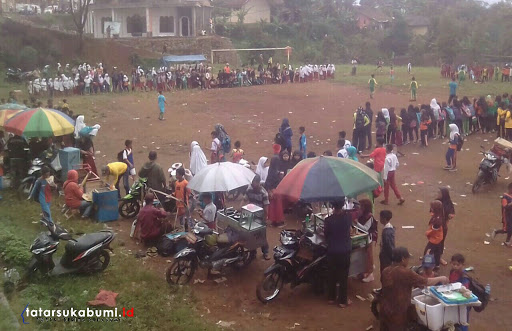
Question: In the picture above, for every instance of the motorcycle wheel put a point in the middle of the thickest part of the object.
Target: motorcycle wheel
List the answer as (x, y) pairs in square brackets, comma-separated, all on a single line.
[(478, 183), (180, 272), (31, 269), (24, 190), (103, 260), (129, 208), (247, 257), (270, 287)]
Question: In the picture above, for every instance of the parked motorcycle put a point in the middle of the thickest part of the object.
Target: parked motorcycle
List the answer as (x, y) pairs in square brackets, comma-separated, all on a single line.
[(299, 259), (86, 254), (130, 203), (33, 173), (208, 250), (488, 170)]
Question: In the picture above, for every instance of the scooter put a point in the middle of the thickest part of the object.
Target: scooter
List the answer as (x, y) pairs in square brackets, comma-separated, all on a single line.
[(84, 255), (291, 268), (34, 172), (487, 170), (207, 251)]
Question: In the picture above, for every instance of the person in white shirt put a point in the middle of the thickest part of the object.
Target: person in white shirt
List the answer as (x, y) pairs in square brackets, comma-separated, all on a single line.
[(87, 82), (342, 152), (342, 135), (209, 211), (301, 75), (43, 86), (390, 166)]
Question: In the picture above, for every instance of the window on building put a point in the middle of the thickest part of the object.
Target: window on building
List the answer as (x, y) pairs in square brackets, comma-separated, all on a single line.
[(103, 20), (136, 24), (167, 24)]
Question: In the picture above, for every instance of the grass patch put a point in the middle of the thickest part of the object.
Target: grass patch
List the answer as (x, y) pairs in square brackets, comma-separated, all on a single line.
[(155, 304), (428, 78)]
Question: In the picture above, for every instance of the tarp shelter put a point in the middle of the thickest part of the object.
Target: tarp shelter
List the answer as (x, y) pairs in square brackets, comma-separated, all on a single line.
[(178, 59)]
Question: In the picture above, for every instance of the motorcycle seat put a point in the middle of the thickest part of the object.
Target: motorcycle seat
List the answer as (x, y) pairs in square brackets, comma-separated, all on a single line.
[(87, 241)]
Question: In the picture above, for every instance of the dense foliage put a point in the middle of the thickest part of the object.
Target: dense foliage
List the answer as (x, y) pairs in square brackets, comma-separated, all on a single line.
[(460, 31)]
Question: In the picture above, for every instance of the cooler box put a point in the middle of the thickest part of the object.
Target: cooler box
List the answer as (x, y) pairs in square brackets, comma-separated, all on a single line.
[(434, 315), (69, 158), (106, 201)]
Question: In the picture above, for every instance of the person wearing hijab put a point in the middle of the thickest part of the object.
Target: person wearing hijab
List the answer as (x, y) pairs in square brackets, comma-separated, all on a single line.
[(381, 126), (262, 169), (276, 172), (451, 154), (197, 158), (449, 214), (286, 132), (392, 126), (436, 109), (79, 125), (73, 195), (352, 153)]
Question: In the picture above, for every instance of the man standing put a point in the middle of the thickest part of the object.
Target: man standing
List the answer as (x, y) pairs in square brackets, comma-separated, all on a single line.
[(153, 172), (161, 105), (337, 233), (413, 87), (372, 83), (360, 123), (369, 112), (453, 90), (258, 196)]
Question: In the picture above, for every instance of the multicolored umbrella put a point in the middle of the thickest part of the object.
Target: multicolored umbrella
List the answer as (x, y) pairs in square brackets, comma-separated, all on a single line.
[(5, 114), (12, 106), (40, 122), (327, 178)]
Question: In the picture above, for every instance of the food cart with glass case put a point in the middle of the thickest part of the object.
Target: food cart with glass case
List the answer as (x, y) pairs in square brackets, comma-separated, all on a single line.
[(248, 224)]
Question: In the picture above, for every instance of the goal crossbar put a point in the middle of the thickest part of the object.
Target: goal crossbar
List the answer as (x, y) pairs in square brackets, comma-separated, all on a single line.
[(251, 49)]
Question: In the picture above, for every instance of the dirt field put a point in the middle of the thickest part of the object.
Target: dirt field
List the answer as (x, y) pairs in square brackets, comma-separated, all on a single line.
[(253, 115)]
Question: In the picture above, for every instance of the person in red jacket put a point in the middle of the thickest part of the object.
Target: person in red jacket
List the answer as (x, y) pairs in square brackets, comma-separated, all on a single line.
[(73, 195), (149, 221)]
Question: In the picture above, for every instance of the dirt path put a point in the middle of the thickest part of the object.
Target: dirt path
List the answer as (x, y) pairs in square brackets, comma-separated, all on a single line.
[(253, 115)]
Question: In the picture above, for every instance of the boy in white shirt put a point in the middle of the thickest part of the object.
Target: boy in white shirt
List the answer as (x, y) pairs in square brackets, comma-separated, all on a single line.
[(209, 211), (342, 152), (342, 135), (390, 166)]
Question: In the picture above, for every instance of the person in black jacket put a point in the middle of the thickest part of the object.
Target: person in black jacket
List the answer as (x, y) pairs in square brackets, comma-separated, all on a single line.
[(337, 233), (387, 243), (369, 112)]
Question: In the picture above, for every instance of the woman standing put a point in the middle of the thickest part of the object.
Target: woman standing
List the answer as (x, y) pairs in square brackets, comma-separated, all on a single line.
[(405, 126), (197, 158), (286, 132), (413, 123), (448, 214), (276, 172), (451, 154), (392, 126), (368, 223), (380, 126), (262, 169)]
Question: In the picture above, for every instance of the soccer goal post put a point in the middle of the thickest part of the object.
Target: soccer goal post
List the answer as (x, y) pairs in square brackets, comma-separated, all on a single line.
[(225, 55)]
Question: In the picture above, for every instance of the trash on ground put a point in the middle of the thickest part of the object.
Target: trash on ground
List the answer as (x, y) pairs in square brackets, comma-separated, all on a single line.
[(420, 201), (360, 298), (407, 226), (486, 243), (220, 280), (104, 298), (224, 324), (201, 281)]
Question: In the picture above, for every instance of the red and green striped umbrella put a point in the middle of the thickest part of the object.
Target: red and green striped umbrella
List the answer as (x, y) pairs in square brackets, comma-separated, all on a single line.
[(40, 122), (327, 178)]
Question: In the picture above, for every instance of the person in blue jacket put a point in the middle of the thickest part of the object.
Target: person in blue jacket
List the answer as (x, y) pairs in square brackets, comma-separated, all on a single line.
[(286, 132)]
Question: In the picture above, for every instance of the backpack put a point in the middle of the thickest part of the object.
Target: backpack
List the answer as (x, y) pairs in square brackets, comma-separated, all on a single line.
[(479, 290), (460, 143), (450, 113), (359, 119), (280, 139), (226, 144), (120, 156)]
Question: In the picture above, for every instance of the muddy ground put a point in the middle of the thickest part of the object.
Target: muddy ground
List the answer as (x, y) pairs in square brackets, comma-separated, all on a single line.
[(253, 115)]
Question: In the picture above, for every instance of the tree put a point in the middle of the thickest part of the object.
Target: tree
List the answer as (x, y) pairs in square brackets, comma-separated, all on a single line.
[(79, 11), (398, 38)]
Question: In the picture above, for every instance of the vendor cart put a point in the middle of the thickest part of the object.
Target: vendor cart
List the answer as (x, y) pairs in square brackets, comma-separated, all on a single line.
[(438, 306), (248, 225), (359, 238)]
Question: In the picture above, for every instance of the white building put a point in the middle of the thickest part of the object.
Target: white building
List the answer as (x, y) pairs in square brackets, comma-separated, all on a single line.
[(148, 18)]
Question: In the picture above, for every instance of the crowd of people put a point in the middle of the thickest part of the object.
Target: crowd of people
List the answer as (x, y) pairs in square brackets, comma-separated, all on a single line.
[(85, 79)]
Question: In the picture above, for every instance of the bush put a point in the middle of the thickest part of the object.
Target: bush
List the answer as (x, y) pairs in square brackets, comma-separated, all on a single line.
[(28, 58), (14, 250)]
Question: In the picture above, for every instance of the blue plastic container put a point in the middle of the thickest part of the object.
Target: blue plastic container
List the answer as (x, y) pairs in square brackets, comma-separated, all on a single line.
[(69, 158), (107, 204)]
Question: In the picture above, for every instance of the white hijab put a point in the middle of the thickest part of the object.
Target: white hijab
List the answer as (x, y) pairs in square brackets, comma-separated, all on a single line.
[(261, 170), (385, 111), (79, 125), (454, 129), (94, 130), (434, 105), (197, 158)]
